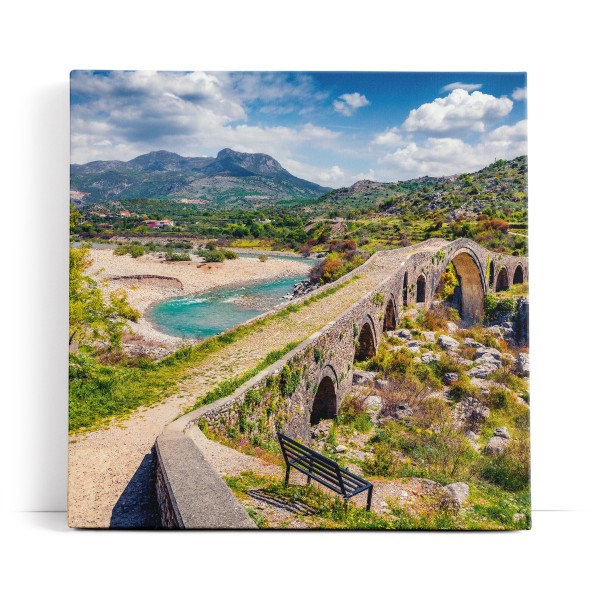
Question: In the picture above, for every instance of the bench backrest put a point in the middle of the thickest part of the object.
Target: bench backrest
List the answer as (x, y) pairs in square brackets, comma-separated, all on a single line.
[(295, 452)]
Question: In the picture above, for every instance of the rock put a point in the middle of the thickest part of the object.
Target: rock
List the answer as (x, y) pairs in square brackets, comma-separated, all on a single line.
[(502, 432), (463, 361), (403, 411), (483, 370), (320, 430), (383, 384), (429, 357), (485, 351), (340, 448), (523, 364), (414, 346), (429, 336), (472, 412), (452, 327), (404, 334), (373, 403), (450, 378), (459, 492), (471, 435), (517, 517), (495, 330), (496, 445), (363, 377), (447, 343), (472, 343), (509, 358)]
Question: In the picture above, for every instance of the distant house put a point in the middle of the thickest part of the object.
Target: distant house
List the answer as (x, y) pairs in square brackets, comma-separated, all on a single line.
[(154, 224), (125, 213)]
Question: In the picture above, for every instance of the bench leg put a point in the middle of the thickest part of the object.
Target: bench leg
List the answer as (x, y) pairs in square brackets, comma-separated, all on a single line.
[(287, 475), (369, 496)]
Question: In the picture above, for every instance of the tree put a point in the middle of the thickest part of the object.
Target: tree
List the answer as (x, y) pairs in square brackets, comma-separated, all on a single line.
[(94, 317)]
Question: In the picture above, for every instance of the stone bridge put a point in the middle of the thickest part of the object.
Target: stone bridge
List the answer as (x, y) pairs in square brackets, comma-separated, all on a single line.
[(310, 382)]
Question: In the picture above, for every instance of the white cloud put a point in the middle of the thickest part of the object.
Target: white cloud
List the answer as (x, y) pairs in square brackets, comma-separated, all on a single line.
[(348, 104), (519, 94), (459, 112), (390, 137), (470, 87), (124, 114), (438, 156)]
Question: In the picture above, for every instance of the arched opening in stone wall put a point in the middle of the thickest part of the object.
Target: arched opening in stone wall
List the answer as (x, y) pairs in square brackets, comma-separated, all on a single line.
[(502, 280), (389, 320), (491, 279), (518, 276), (421, 284), (325, 402), (461, 285), (365, 346), (405, 289)]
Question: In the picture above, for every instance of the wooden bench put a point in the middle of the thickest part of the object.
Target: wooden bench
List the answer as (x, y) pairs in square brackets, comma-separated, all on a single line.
[(322, 469)]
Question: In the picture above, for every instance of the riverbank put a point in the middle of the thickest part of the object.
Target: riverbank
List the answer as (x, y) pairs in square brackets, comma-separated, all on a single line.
[(150, 279)]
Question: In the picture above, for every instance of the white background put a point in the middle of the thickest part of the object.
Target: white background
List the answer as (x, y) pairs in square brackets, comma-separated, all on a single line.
[(42, 42)]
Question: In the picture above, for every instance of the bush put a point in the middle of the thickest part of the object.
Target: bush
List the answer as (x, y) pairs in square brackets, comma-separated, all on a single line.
[(177, 256), (510, 469), (135, 250)]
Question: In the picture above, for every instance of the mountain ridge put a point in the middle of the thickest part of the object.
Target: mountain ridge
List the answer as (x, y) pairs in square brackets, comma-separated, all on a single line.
[(230, 176)]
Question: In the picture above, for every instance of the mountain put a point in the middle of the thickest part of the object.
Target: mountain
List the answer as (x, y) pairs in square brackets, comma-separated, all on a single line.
[(502, 184), (230, 177)]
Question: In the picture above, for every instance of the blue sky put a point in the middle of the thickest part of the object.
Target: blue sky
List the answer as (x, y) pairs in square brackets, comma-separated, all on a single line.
[(331, 128)]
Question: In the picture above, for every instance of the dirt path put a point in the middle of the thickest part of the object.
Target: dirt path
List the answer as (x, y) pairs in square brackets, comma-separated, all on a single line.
[(109, 481)]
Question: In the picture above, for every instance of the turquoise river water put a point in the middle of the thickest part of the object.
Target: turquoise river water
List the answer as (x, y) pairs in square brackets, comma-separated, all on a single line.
[(213, 312)]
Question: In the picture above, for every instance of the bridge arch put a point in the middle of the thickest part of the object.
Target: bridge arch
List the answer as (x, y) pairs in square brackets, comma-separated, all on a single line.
[(421, 288), (502, 280), (469, 293), (518, 275), (366, 342), (389, 319), (325, 401)]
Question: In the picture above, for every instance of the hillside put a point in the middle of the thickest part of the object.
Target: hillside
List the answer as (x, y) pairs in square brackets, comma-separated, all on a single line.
[(230, 178), (501, 185)]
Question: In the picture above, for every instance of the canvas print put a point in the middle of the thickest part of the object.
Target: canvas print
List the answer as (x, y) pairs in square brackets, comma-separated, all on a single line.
[(298, 300)]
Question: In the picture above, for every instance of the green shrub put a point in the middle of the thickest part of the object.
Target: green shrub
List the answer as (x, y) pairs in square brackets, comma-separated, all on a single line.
[(510, 469), (177, 256)]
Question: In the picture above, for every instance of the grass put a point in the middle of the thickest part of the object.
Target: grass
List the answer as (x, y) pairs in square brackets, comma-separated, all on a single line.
[(99, 391), (487, 508)]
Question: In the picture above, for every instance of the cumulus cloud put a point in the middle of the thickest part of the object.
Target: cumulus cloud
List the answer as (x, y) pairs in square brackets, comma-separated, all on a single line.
[(470, 87), (459, 112), (438, 156), (519, 94), (348, 104), (120, 115), (390, 137)]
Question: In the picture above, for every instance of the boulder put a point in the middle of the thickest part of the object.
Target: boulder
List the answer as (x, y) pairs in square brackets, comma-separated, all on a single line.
[(485, 351), (496, 445), (429, 336), (383, 384), (429, 357), (363, 377), (414, 346), (502, 432), (452, 327), (459, 492), (341, 448), (483, 370), (472, 343), (403, 411), (523, 364), (404, 334), (495, 330), (472, 412), (373, 403), (450, 378), (447, 343)]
